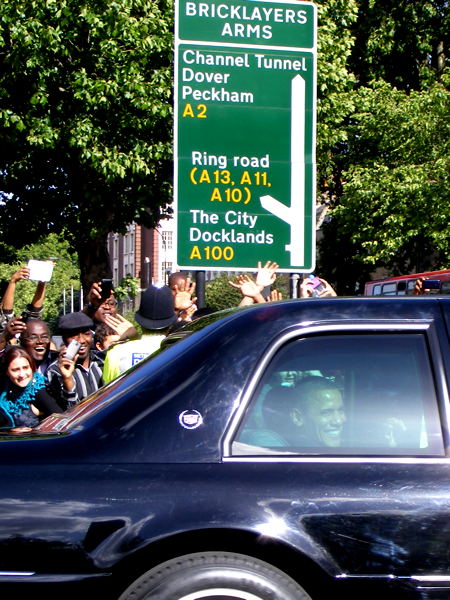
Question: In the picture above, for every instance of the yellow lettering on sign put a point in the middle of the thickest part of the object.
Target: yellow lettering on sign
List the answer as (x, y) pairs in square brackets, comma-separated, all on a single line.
[(204, 177), (202, 111), (216, 195), (188, 112), (245, 178), (195, 253)]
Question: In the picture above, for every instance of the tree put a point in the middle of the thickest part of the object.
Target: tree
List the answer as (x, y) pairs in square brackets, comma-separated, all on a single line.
[(220, 295), (402, 42), (334, 80), (399, 188), (85, 121), (389, 190), (66, 276)]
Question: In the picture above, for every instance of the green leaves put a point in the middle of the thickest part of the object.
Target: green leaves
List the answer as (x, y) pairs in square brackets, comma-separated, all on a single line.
[(86, 125), (220, 294), (128, 288), (85, 113), (66, 274), (386, 172), (397, 180)]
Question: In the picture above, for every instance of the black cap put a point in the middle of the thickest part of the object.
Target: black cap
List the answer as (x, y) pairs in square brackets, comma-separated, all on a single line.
[(75, 321), (156, 310)]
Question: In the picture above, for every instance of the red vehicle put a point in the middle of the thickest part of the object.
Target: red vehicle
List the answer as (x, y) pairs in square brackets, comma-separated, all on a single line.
[(403, 285)]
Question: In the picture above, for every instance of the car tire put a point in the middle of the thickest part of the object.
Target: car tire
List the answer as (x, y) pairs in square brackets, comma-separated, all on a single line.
[(214, 576)]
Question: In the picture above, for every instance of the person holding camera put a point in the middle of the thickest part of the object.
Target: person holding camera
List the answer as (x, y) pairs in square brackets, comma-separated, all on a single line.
[(316, 287), (77, 372), (34, 336), (102, 308)]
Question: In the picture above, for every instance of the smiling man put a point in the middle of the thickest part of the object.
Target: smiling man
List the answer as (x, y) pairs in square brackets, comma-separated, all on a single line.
[(320, 410), (36, 341), (309, 414), (75, 379)]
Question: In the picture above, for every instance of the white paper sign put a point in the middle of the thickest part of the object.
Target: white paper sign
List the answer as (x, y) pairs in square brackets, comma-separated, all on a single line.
[(40, 270)]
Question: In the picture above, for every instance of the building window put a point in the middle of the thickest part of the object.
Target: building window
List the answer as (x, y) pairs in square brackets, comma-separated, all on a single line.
[(166, 269), (167, 237), (128, 254)]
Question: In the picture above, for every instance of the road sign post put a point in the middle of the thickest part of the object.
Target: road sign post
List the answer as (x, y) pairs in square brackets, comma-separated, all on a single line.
[(245, 79)]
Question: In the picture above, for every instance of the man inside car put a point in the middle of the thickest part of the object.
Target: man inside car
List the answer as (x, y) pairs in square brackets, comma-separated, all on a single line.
[(309, 414)]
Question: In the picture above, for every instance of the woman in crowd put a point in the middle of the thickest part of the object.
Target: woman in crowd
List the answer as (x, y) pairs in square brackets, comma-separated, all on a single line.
[(24, 399)]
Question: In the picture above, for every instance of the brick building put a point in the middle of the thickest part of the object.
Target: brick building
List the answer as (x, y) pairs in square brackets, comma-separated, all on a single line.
[(147, 254)]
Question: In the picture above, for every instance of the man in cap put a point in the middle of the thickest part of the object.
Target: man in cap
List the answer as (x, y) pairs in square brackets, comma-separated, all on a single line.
[(155, 315), (75, 378)]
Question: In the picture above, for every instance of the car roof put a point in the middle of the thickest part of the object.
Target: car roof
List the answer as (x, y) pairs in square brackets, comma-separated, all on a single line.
[(325, 309)]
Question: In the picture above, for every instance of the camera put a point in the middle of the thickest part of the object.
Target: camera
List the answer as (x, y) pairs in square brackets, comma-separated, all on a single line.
[(316, 285), (72, 349), (107, 288)]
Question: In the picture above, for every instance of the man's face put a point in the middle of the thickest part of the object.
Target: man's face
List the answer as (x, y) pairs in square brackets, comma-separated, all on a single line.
[(325, 410), (84, 337), (36, 340), (108, 307)]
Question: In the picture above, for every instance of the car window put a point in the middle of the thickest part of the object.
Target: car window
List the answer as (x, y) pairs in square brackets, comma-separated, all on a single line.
[(377, 290), (411, 286), (368, 394), (445, 287), (390, 289)]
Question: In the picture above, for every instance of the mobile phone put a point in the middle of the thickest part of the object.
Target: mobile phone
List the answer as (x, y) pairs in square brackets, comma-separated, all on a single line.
[(431, 284), (316, 284), (72, 349), (107, 288)]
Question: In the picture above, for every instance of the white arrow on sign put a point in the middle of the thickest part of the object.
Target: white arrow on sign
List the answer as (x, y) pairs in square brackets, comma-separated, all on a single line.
[(294, 214)]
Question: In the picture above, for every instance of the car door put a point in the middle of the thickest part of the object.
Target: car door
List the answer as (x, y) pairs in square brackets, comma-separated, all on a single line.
[(374, 498)]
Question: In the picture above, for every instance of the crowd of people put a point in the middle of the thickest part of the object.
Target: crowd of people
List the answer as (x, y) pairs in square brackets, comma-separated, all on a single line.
[(37, 378)]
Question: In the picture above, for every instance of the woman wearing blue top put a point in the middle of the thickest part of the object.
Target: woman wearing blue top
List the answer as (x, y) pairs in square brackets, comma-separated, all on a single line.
[(23, 392)]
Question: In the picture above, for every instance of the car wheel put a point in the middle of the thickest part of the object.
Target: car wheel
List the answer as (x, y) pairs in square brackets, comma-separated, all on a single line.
[(215, 576)]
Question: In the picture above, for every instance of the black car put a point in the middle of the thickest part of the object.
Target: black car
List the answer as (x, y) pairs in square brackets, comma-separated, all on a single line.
[(286, 451)]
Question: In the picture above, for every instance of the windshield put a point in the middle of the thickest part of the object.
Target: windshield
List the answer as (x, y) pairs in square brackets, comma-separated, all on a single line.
[(107, 395)]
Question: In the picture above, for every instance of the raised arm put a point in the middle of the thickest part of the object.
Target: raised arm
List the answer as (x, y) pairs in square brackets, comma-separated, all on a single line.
[(39, 295), (121, 326), (250, 290), (266, 274), (8, 298)]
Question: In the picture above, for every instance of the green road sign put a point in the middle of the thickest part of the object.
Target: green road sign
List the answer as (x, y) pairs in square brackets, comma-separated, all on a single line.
[(245, 84)]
